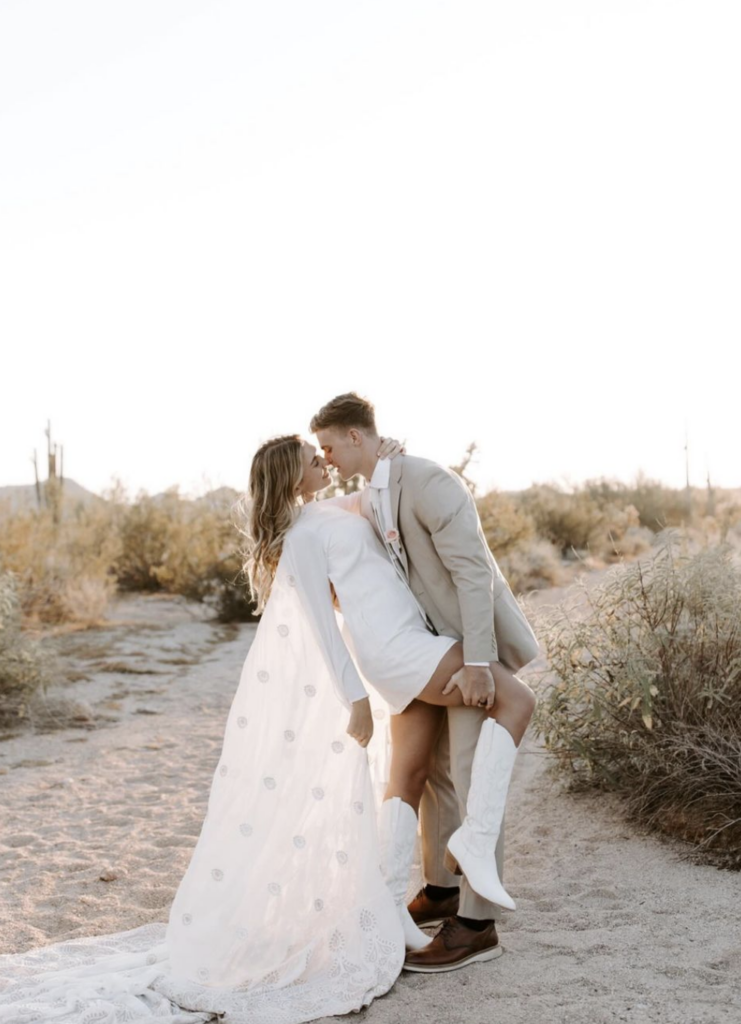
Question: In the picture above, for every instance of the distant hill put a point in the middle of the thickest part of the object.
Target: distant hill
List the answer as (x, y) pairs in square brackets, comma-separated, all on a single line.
[(220, 497), (23, 496)]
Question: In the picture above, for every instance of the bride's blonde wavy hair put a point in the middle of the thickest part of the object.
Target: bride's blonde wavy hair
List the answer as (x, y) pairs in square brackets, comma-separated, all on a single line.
[(271, 508)]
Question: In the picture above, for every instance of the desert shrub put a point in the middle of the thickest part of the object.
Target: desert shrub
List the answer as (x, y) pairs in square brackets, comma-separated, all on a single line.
[(199, 542), (144, 527), (23, 665), (617, 534), (528, 562), (505, 526), (67, 571), (234, 601), (658, 506), (186, 547), (728, 519), (532, 566), (203, 560), (645, 695), (632, 541), (722, 527), (596, 518), (566, 520), (62, 569)]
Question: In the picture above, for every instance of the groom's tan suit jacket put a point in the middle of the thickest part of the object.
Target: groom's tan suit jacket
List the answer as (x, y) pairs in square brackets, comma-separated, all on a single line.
[(450, 569), (456, 580)]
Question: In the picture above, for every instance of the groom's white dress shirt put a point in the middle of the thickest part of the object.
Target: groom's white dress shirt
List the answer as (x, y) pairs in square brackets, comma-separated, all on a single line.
[(379, 496), (378, 510)]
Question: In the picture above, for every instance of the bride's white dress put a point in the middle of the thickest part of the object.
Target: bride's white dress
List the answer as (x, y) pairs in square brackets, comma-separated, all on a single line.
[(282, 915)]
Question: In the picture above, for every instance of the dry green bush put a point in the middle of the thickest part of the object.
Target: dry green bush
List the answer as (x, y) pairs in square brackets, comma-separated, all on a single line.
[(566, 520), (593, 518), (184, 547), (68, 571), (532, 566), (723, 527), (62, 570), (646, 693), (505, 526), (658, 506), (144, 527), (528, 562), (23, 665)]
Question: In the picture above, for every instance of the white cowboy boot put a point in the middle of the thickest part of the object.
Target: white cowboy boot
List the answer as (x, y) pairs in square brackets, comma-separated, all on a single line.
[(471, 847), (397, 834)]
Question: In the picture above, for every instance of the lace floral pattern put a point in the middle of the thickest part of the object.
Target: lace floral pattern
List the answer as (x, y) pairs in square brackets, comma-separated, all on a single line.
[(282, 915), (113, 979)]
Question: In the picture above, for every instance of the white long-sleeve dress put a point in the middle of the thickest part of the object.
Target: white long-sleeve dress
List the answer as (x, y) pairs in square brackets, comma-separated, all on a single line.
[(391, 645), (282, 915)]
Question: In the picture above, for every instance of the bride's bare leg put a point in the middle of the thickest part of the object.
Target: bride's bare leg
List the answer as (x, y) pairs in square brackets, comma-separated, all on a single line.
[(514, 701), (471, 847), (414, 733)]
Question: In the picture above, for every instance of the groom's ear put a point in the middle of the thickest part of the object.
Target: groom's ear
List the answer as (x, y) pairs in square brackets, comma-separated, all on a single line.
[(355, 436)]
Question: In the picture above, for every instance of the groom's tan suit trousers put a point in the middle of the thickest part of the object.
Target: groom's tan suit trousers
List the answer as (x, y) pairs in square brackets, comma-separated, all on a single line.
[(456, 579)]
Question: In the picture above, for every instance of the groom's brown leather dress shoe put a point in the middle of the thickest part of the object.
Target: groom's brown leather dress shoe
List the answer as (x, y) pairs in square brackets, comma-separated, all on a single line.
[(455, 946), (427, 913)]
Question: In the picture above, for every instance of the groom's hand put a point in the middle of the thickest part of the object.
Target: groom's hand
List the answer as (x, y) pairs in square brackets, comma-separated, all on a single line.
[(360, 726), (476, 684), (390, 448)]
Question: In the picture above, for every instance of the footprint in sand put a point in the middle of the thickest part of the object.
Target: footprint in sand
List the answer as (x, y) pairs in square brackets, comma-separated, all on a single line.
[(20, 839)]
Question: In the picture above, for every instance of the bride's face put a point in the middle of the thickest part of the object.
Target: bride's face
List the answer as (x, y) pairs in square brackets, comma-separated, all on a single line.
[(316, 475)]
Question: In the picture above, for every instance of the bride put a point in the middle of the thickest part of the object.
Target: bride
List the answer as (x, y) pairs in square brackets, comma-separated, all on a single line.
[(293, 905)]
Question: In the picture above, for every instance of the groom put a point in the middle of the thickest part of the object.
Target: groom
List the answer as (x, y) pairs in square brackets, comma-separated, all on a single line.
[(463, 593)]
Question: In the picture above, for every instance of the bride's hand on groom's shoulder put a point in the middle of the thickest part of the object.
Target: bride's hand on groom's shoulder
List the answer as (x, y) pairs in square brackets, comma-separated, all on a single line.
[(360, 726), (390, 448)]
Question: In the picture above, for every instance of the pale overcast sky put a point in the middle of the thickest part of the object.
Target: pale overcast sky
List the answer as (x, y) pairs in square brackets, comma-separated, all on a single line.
[(516, 223)]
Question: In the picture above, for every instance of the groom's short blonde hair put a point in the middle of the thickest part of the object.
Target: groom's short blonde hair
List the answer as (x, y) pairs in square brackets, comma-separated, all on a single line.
[(344, 412)]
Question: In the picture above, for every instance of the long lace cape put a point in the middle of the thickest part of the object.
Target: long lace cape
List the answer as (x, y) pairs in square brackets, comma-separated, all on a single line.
[(282, 915)]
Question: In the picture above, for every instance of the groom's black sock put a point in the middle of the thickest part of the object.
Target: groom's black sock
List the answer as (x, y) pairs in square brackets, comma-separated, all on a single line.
[(475, 926), (439, 892)]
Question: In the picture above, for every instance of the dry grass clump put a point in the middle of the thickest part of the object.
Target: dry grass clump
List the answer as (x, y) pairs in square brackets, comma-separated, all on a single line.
[(143, 528), (534, 566), (505, 525), (68, 569), (23, 665), (596, 518), (70, 564), (603, 521), (529, 562), (179, 546), (62, 569), (646, 693), (722, 527), (658, 506)]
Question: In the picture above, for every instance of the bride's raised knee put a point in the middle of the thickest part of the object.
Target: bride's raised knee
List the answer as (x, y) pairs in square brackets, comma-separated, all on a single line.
[(520, 706), (529, 701)]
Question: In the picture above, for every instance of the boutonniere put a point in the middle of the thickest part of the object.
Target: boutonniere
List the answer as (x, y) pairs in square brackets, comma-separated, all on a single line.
[(392, 535)]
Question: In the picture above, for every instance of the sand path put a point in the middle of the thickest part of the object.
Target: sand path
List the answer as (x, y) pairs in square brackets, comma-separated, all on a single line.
[(611, 925)]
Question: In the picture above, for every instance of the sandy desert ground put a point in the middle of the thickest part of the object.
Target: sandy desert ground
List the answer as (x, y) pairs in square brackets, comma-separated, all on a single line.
[(99, 822)]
